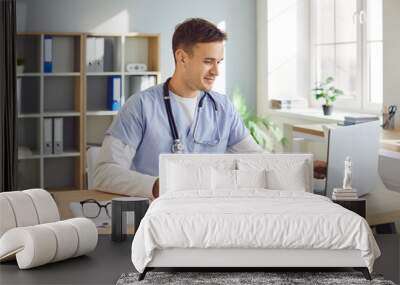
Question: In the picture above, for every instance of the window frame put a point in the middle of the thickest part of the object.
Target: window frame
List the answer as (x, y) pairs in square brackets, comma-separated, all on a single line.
[(361, 102)]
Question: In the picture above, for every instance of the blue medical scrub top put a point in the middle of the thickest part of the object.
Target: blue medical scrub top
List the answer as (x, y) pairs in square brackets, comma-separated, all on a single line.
[(143, 124)]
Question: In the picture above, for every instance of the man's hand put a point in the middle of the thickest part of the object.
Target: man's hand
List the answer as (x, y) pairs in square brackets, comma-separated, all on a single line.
[(156, 189)]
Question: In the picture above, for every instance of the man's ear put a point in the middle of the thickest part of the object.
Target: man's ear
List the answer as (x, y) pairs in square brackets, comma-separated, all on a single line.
[(181, 56)]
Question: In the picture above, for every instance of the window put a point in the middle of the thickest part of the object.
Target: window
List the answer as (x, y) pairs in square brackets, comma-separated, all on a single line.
[(346, 43), (288, 49)]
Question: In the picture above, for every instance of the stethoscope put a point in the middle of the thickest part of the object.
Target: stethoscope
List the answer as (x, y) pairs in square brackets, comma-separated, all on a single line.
[(177, 145)]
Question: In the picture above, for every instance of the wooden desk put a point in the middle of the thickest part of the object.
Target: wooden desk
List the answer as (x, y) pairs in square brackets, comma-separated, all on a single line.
[(389, 146), (64, 198), (390, 139)]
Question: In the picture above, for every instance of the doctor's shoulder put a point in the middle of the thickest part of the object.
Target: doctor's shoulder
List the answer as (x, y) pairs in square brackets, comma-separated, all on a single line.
[(144, 97), (223, 101)]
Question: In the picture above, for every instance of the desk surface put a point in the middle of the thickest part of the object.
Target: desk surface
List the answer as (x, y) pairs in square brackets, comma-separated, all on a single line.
[(390, 139), (64, 198)]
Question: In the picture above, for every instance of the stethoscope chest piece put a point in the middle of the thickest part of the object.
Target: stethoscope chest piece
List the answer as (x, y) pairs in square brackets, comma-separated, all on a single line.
[(177, 147)]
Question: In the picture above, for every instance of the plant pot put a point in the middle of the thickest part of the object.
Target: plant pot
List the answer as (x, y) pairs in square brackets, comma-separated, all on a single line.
[(20, 69), (327, 110)]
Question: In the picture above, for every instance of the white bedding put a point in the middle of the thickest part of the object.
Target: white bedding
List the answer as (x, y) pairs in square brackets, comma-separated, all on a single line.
[(251, 218)]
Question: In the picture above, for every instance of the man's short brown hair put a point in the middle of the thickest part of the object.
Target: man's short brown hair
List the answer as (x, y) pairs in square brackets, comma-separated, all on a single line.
[(193, 31)]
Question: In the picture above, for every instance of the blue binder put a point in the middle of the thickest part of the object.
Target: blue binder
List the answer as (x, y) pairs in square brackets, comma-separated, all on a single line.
[(114, 92), (47, 52)]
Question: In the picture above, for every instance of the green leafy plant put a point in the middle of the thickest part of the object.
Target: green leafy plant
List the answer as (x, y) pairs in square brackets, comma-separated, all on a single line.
[(20, 61), (326, 90), (265, 132)]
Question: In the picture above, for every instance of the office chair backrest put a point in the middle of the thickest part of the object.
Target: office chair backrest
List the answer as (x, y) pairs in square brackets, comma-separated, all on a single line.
[(92, 154)]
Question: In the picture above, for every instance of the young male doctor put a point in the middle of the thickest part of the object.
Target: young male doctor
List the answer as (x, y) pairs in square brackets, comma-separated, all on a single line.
[(181, 115)]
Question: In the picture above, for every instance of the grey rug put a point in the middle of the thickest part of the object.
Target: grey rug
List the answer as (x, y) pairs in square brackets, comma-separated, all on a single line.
[(228, 278)]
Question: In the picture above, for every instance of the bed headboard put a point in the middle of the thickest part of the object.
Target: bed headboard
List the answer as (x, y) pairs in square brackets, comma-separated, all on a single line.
[(288, 161)]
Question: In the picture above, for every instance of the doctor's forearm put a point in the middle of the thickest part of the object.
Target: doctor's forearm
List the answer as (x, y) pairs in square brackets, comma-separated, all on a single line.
[(115, 179), (247, 145)]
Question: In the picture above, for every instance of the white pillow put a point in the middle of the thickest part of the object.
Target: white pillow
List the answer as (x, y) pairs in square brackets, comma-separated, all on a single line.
[(251, 178), (226, 179), (223, 179), (183, 177), (294, 180), (282, 174)]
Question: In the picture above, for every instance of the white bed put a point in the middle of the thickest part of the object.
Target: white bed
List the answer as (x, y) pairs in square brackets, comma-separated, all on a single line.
[(215, 211)]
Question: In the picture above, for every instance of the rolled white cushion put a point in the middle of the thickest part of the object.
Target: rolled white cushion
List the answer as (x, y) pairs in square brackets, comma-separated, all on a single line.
[(45, 205), (87, 234), (66, 238), (23, 208), (34, 245), (41, 244), (7, 218)]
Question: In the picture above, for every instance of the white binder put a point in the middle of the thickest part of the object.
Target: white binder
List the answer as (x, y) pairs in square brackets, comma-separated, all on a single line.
[(48, 135), (91, 54), (99, 54), (58, 135)]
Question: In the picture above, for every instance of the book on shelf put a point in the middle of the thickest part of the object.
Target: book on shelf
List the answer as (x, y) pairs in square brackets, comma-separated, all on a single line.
[(288, 103)]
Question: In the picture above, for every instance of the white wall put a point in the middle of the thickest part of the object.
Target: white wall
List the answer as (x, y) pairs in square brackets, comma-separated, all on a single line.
[(391, 54), (155, 16)]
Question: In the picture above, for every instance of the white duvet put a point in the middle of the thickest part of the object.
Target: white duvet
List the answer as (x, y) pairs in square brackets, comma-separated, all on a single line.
[(252, 218)]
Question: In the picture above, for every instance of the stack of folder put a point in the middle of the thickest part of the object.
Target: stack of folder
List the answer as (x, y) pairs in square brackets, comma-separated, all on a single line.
[(344, 194)]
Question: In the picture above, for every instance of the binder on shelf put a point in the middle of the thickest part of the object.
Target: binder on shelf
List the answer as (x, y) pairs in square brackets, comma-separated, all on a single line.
[(99, 54), (114, 93), (48, 135), (91, 54), (95, 54), (58, 135), (48, 54)]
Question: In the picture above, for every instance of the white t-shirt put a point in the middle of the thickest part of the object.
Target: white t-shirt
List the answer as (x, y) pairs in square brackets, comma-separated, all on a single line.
[(188, 105)]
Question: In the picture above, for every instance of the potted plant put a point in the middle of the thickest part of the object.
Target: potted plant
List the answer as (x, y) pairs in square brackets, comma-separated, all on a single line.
[(326, 91), (20, 65), (265, 132)]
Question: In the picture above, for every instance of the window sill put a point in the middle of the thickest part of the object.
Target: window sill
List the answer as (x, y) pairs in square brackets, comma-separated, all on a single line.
[(311, 114)]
